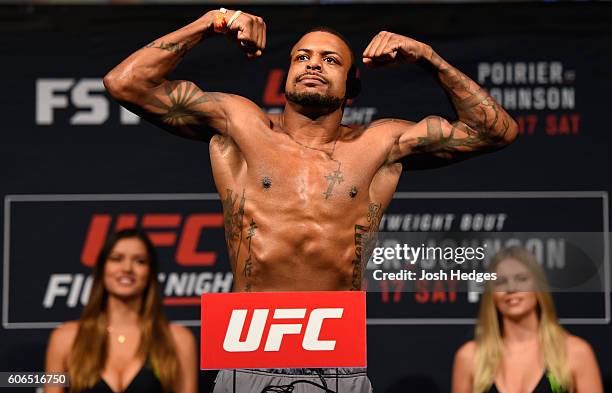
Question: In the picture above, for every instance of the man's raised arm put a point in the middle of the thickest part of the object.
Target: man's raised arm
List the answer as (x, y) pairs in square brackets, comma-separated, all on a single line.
[(139, 82), (482, 124)]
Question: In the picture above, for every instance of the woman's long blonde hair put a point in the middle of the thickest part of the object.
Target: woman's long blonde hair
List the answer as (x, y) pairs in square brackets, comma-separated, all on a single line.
[(489, 344), (89, 352)]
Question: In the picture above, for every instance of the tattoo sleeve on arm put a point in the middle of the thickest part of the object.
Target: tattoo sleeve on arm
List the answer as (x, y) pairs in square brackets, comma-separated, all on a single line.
[(444, 144), (482, 121)]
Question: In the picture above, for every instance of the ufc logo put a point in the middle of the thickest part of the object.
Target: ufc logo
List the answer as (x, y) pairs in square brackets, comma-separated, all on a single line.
[(87, 94), (283, 329), (164, 230), (276, 331)]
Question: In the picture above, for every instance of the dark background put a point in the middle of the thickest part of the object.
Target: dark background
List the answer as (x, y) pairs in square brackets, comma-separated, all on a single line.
[(110, 158)]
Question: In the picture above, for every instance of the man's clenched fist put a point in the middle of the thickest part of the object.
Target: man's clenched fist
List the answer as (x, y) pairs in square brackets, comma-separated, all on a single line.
[(248, 30), (389, 48)]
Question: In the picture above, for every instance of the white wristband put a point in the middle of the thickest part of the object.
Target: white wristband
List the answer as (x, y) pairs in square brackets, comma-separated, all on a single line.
[(233, 18)]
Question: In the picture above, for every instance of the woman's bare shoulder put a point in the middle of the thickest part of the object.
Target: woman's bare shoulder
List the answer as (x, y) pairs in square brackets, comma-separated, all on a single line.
[(66, 332), (578, 349), (466, 351), (181, 335), (60, 343)]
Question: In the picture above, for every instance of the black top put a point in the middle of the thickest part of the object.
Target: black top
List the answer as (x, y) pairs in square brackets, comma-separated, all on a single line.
[(145, 381), (544, 386)]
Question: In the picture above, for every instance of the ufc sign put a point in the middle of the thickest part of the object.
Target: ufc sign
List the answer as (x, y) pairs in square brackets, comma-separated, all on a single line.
[(87, 95), (311, 340), (283, 329), (164, 229)]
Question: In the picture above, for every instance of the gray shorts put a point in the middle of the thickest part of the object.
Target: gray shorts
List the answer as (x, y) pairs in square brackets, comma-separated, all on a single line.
[(294, 380)]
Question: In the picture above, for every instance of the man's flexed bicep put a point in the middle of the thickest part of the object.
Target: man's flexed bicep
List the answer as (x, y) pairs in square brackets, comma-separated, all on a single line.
[(482, 124), (437, 136), (434, 141), (140, 81), (182, 108)]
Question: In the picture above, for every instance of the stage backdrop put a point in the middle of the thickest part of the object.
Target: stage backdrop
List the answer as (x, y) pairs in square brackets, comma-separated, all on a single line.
[(77, 166)]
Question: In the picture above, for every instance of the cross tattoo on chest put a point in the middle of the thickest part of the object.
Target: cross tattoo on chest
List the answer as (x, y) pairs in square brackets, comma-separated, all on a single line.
[(333, 178)]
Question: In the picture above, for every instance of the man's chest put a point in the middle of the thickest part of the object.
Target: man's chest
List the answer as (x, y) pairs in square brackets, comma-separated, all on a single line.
[(311, 176), (281, 167)]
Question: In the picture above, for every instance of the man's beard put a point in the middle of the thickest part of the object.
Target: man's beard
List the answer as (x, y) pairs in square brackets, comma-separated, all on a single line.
[(315, 100)]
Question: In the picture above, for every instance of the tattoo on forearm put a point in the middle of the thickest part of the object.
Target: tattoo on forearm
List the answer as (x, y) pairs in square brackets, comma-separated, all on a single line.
[(184, 97), (175, 47), (365, 240)]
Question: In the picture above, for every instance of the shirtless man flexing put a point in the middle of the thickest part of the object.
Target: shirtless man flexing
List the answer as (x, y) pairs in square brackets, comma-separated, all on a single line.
[(301, 191)]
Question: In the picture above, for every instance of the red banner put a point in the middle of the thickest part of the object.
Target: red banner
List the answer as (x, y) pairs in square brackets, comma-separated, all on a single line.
[(283, 329)]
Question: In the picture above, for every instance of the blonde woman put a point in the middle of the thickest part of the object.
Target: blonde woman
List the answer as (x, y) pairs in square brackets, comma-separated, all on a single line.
[(123, 343), (520, 346)]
